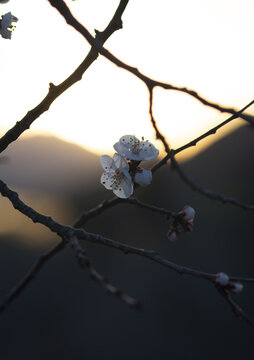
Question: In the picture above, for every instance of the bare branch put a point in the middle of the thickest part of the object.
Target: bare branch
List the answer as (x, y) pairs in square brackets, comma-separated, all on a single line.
[(68, 231), (86, 215), (206, 192), (85, 262), (20, 287), (176, 166), (214, 129), (151, 83), (159, 135), (55, 91), (71, 233), (236, 309), (107, 204), (201, 137), (241, 279)]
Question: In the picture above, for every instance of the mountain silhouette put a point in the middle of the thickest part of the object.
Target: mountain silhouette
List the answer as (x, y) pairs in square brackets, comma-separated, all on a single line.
[(63, 304), (49, 164), (227, 161), (53, 165), (226, 167)]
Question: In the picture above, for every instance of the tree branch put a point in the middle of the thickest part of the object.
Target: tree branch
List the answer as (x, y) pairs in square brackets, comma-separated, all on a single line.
[(206, 192), (68, 233), (151, 83), (85, 262), (201, 137), (20, 287), (55, 91), (107, 204)]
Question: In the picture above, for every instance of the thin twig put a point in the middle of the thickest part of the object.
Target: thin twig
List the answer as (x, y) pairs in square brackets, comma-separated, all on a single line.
[(241, 279), (151, 83), (20, 127), (40, 262), (206, 192), (97, 210), (70, 232), (107, 204), (159, 135), (196, 187), (214, 129), (85, 262), (201, 137), (55, 91), (236, 309)]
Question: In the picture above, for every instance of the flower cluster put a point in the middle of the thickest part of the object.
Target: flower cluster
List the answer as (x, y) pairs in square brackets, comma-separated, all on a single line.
[(123, 169), (183, 222), (6, 26), (223, 281)]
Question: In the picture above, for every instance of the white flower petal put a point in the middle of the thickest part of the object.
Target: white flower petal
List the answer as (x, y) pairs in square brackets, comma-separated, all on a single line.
[(128, 140), (107, 180), (120, 162), (107, 163), (120, 149), (126, 174), (132, 148), (148, 151), (125, 188)]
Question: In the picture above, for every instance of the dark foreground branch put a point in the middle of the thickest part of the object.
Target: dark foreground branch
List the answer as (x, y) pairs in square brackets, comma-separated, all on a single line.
[(40, 262), (110, 289), (68, 232)]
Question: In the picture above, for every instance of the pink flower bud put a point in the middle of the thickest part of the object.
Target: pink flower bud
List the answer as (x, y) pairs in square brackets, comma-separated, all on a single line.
[(143, 177), (172, 235), (188, 213), (236, 287), (222, 279)]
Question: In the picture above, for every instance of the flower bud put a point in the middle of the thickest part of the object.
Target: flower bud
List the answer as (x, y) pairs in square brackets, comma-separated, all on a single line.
[(236, 287), (222, 279), (188, 213), (172, 235), (143, 177)]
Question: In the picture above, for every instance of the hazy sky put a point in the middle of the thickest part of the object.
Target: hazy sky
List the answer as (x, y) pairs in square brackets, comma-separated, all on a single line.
[(206, 45)]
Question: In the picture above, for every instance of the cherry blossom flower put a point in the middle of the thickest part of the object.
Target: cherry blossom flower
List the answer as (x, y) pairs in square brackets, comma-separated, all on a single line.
[(183, 222), (143, 177), (222, 279), (172, 234), (235, 287), (6, 26), (116, 176), (132, 148), (188, 213)]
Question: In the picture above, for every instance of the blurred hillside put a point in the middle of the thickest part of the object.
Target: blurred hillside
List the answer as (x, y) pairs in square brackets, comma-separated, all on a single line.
[(50, 165), (63, 314)]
